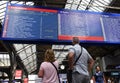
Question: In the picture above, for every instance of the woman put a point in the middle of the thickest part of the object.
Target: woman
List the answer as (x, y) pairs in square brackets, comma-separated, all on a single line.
[(99, 76), (47, 71)]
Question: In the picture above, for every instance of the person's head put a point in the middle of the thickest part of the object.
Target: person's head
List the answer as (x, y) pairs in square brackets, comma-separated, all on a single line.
[(49, 55), (75, 40), (97, 68)]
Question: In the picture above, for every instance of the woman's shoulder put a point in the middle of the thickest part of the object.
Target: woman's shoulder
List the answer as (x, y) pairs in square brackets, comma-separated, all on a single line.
[(56, 62), (44, 63)]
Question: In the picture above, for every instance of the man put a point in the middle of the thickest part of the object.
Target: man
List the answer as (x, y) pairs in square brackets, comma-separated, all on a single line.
[(84, 64)]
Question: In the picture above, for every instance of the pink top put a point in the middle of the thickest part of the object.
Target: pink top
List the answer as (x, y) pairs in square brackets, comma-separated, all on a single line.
[(50, 73)]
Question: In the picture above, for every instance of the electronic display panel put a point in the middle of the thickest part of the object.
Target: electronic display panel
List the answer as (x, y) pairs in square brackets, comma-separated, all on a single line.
[(84, 25), (111, 27), (30, 23), (59, 25)]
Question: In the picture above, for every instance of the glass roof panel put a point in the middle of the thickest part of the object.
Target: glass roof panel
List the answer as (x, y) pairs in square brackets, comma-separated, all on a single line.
[(2, 14), (67, 6), (27, 54), (106, 1), (28, 51), (18, 46), (30, 59), (100, 5), (57, 46), (29, 3), (4, 59), (34, 63), (31, 65), (3, 4), (22, 55), (34, 48), (92, 9), (28, 67), (2, 11), (74, 6), (34, 57), (76, 1), (61, 51), (25, 62), (62, 54), (70, 1), (103, 2), (87, 0), (33, 69), (14, 2), (67, 46), (21, 2), (85, 3), (82, 7), (96, 9)]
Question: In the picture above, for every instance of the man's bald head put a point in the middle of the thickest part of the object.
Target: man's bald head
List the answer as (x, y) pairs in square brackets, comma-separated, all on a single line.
[(76, 40)]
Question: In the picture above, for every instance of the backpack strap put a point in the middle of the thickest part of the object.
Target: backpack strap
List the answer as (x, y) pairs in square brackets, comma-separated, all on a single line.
[(57, 71), (78, 56)]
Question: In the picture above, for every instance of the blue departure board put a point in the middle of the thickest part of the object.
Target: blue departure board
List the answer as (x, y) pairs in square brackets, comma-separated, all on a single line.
[(85, 25), (111, 28), (33, 23), (59, 25)]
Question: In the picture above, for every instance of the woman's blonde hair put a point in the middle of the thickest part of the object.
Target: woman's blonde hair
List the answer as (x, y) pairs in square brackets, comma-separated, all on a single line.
[(49, 55)]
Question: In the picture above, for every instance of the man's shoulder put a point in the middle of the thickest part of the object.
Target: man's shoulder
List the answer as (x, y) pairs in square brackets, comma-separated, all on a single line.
[(72, 48)]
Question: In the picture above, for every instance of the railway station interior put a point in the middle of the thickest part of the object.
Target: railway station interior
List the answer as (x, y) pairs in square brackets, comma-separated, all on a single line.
[(20, 59)]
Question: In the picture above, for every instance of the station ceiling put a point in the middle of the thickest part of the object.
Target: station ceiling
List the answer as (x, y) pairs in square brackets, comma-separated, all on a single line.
[(27, 52)]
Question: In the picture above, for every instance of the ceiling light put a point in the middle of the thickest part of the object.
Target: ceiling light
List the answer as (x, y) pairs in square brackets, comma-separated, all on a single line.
[(62, 67)]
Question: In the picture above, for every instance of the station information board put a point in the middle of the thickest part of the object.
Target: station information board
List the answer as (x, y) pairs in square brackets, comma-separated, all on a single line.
[(34, 23), (31, 23)]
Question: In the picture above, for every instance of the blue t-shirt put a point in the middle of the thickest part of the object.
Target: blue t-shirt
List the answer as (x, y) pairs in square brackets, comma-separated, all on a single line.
[(99, 77)]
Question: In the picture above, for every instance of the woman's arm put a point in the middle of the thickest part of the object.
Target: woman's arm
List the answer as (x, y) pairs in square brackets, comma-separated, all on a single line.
[(93, 78), (104, 79), (41, 73)]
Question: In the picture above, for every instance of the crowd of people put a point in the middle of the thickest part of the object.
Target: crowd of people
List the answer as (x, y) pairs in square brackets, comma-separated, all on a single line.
[(80, 64)]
